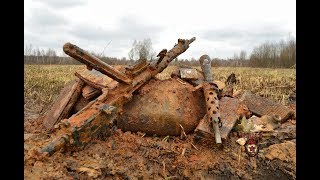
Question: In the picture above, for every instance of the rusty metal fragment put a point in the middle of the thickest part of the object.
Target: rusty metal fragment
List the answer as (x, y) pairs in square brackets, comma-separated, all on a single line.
[(189, 74), (137, 68), (229, 116), (230, 82), (93, 62), (89, 92), (161, 55), (80, 104), (262, 106), (181, 47), (210, 91), (83, 127), (64, 103), (194, 77), (95, 79)]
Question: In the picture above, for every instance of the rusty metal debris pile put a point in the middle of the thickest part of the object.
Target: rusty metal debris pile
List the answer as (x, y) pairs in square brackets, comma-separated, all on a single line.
[(104, 97)]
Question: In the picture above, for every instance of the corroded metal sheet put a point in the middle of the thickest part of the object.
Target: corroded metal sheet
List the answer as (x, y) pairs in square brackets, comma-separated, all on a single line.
[(64, 103), (262, 106), (95, 78), (229, 116), (89, 92), (188, 73)]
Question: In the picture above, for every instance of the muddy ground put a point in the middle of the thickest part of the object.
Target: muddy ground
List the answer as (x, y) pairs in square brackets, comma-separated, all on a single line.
[(128, 155)]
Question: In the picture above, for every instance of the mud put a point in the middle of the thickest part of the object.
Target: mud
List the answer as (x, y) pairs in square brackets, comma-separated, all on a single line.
[(126, 155)]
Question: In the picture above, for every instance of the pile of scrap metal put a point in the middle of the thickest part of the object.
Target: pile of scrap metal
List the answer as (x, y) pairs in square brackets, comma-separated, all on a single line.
[(133, 99)]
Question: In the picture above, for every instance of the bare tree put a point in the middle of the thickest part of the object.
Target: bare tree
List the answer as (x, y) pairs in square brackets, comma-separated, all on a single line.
[(243, 55), (142, 50)]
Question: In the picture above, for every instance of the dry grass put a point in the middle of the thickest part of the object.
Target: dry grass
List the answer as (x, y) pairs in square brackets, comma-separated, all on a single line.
[(42, 83)]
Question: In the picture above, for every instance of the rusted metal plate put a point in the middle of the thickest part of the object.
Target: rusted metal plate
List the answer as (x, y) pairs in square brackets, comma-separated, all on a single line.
[(229, 116), (63, 104), (188, 73), (262, 106), (95, 78), (89, 92)]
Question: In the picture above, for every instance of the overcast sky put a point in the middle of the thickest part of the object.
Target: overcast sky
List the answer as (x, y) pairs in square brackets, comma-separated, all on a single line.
[(222, 27)]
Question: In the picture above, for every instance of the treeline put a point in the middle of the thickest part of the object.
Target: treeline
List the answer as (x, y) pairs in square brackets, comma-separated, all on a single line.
[(281, 54)]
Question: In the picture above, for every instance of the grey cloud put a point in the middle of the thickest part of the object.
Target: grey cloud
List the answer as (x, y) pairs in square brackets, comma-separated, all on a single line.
[(128, 28), (59, 4), (247, 35), (42, 18), (45, 28)]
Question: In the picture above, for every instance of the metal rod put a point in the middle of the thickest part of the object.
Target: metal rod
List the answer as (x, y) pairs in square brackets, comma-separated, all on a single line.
[(93, 62)]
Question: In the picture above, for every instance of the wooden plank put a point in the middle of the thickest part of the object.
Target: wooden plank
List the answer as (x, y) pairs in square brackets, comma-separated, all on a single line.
[(63, 104), (262, 106)]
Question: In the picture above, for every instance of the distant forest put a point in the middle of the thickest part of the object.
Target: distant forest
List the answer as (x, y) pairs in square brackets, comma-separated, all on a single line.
[(280, 54)]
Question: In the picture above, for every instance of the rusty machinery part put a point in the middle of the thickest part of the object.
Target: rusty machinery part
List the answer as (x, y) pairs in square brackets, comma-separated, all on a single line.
[(93, 62), (96, 79), (230, 82), (182, 46), (210, 90), (98, 115), (99, 118), (161, 55), (137, 68)]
